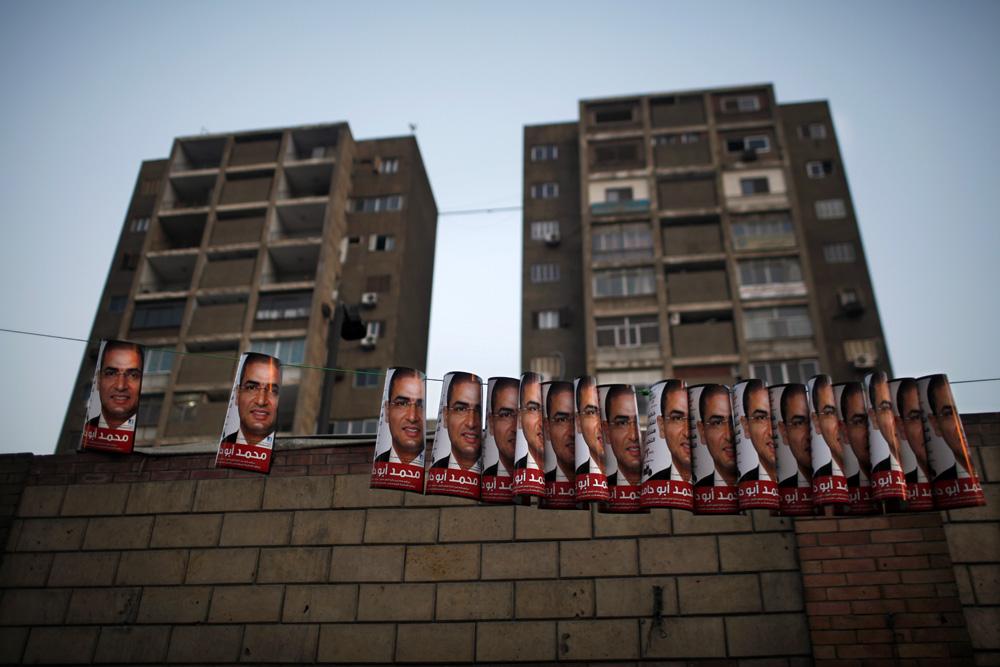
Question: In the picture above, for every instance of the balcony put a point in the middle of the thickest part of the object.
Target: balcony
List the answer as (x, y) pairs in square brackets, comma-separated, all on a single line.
[(218, 315), (255, 149), (218, 368), (291, 264), (305, 180), (315, 143), (246, 187), (169, 271), (297, 221), (178, 231), (228, 271), (235, 227), (187, 192), (198, 155), (703, 286), (619, 207)]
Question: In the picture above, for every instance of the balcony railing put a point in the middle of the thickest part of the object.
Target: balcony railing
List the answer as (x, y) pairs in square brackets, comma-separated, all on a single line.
[(619, 207)]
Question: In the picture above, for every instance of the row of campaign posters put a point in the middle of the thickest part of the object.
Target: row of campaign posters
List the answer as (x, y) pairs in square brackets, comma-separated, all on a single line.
[(797, 449), (247, 438)]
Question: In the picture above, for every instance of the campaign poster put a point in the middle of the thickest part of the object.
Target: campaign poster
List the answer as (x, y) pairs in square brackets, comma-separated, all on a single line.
[(829, 481), (910, 432), (755, 458), (114, 398), (456, 455), (401, 440), (790, 412), (252, 418), (500, 440), (955, 481), (622, 447), (853, 417), (888, 484), (713, 450), (666, 450), (559, 428), (591, 475), (529, 461)]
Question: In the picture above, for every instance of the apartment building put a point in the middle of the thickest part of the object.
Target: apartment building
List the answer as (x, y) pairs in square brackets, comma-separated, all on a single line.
[(251, 241), (706, 235)]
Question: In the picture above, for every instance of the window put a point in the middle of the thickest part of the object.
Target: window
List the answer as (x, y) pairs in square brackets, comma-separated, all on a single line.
[(140, 224), (624, 282), (783, 372), (375, 328), (378, 243), (830, 209), (838, 253), (355, 427), (672, 139), (757, 143), (861, 347), (630, 240), (740, 104), (117, 304), (288, 306), (376, 204), (782, 322), (546, 319), (759, 234), (819, 168), (158, 315), (539, 230), (158, 361), (287, 350), (614, 115), (130, 261), (628, 331), (543, 153), (185, 407), (770, 271), (849, 299), (378, 283), (368, 377), (549, 367), (618, 194), (544, 273), (754, 186), (150, 188), (812, 131), (150, 406), (544, 190), (389, 165)]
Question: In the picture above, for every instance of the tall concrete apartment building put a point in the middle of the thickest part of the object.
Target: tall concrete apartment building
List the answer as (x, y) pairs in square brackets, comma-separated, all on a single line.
[(250, 241), (705, 235)]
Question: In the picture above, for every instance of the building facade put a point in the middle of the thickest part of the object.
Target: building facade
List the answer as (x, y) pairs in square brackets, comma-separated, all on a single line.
[(704, 235), (249, 241)]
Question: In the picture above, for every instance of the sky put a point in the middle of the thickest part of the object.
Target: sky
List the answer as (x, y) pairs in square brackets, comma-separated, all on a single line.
[(90, 89)]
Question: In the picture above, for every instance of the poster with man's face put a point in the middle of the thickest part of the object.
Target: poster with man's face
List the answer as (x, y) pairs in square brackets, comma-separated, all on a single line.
[(713, 450), (829, 482), (456, 457), (248, 432), (400, 443), (591, 476), (853, 419), (559, 429), (888, 483), (500, 439), (114, 398), (622, 446), (529, 452), (793, 444), (755, 455), (910, 425), (666, 454), (955, 481)]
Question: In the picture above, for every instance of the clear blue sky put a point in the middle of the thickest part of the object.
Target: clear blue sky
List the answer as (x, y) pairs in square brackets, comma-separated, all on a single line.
[(90, 89)]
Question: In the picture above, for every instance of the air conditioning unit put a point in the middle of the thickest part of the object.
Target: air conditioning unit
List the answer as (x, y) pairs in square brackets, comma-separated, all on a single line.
[(675, 319), (552, 239), (865, 360), (368, 342), (369, 299)]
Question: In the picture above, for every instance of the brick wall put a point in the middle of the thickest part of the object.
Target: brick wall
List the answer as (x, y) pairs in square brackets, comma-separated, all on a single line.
[(165, 559)]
